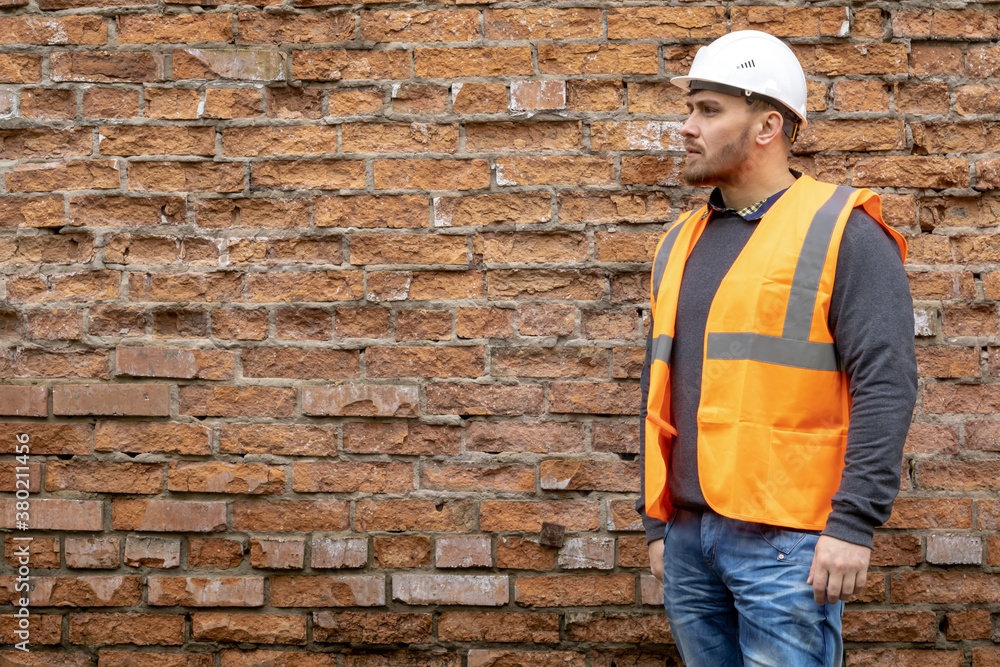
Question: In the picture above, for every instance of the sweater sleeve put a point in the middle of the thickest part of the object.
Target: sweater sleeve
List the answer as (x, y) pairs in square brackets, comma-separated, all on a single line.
[(871, 317), (654, 527)]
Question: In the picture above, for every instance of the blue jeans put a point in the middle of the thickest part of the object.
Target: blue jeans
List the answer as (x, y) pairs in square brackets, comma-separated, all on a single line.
[(735, 594)]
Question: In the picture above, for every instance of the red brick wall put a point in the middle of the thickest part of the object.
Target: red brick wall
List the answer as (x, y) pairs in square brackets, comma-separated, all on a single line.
[(313, 313)]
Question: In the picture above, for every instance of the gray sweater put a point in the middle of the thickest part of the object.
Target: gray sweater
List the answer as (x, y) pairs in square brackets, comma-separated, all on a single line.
[(871, 317)]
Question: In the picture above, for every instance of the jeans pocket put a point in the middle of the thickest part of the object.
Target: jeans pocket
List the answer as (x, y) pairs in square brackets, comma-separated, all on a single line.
[(790, 545)]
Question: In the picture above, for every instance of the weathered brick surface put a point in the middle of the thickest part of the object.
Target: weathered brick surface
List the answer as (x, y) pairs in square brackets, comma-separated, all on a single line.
[(352, 298)]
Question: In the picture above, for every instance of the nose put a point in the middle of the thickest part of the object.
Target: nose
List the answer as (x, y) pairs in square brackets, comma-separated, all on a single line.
[(688, 128)]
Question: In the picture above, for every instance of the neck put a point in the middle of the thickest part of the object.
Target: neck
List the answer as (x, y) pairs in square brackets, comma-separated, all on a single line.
[(755, 187)]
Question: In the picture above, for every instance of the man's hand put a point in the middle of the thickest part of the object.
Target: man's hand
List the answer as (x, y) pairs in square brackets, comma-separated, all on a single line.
[(656, 559), (838, 569)]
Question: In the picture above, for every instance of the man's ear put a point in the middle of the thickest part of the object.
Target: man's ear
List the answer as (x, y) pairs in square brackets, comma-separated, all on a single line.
[(770, 129)]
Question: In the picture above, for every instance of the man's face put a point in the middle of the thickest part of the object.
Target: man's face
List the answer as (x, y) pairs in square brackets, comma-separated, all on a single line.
[(716, 137)]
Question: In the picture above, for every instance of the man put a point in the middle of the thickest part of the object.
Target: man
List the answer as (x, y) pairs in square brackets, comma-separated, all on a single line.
[(779, 380)]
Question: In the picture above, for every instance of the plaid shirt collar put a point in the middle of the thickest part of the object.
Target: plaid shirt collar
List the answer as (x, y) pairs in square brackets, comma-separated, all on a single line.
[(752, 213)]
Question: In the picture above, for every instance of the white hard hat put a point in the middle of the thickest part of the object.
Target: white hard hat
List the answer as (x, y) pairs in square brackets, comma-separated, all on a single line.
[(752, 64)]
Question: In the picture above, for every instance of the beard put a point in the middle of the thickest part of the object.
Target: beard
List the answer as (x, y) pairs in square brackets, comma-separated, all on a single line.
[(712, 169)]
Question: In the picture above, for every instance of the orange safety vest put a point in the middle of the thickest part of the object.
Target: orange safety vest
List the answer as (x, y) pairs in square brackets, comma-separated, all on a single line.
[(774, 407)]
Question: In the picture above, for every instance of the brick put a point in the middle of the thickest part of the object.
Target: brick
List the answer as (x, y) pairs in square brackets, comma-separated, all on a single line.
[(158, 552), (362, 323), (933, 439), (24, 401), (492, 209), (290, 515), (354, 64), (47, 438), (48, 104), (243, 64), (139, 437), (954, 550), (477, 399), (206, 592), (264, 213), (382, 400), (575, 590), (974, 320), (515, 516), (612, 627), (944, 587), (583, 95), (251, 628), (371, 627), (890, 626), (45, 630), (419, 324), (852, 135), (326, 174), (168, 515), (337, 553), (909, 171), (547, 23), (186, 176), (175, 29), (467, 589), (240, 657), (464, 477), (539, 320), (222, 477), (636, 135), (961, 23), (907, 658), (131, 399), (471, 551), (838, 59), (942, 513), (85, 591), (355, 101), (416, 439), (569, 475), (260, 28), (214, 553), (498, 658), (860, 96), (305, 286), (963, 475), (947, 362), (955, 137), (987, 174), (232, 103), (651, 170), (982, 435), (469, 62), (597, 58), (975, 98), (399, 138), (21, 68), (590, 397), (40, 143), (431, 174), (516, 137), (43, 552), (518, 553), (172, 104), (408, 249), (471, 98), (421, 26), (239, 323), (236, 401), (934, 59), (126, 628), (32, 212), (413, 515), (868, 23), (431, 362), (277, 554), (921, 97), (537, 95), (328, 591), (366, 211), (295, 363), (968, 624), (110, 103), (74, 175), (529, 247), (106, 66), (417, 98), (174, 362), (588, 553), (895, 550), (524, 437), (791, 21), (402, 551), (492, 626), (982, 62), (484, 322), (352, 476), (294, 140), (104, 477)]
